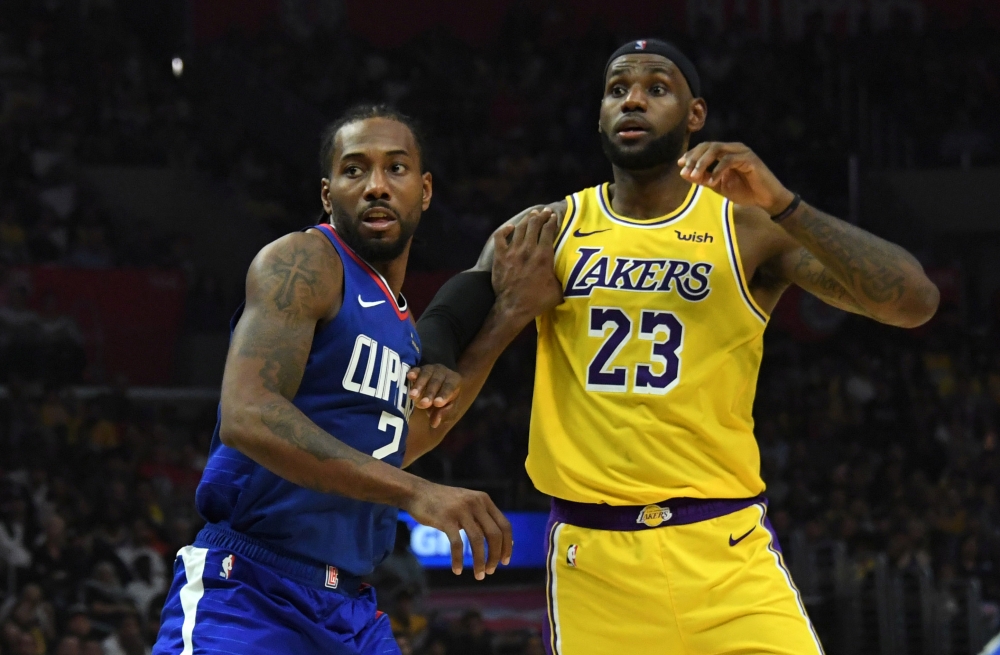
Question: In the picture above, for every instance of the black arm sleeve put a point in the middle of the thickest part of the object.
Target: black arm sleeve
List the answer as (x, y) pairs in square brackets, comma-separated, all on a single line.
[(454, 317)]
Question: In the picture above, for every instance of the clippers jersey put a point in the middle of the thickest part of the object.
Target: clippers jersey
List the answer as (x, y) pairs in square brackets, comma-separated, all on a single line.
[(646, 374), (355, 388)]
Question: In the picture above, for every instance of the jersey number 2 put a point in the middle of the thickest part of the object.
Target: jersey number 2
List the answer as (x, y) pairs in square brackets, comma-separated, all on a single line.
[(384, 423), (662, 328)]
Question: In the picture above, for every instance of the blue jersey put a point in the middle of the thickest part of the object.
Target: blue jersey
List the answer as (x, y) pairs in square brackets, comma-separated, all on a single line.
[(354, 387)]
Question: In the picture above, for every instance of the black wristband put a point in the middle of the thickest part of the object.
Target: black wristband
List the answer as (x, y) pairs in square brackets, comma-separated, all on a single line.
[(789, 210), (454, 317)]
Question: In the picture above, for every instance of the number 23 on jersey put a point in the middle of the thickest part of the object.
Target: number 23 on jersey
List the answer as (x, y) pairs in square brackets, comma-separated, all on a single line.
[(658, 374)]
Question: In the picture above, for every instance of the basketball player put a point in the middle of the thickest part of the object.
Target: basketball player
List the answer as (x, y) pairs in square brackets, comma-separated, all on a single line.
[(652, 294), (302, 485)]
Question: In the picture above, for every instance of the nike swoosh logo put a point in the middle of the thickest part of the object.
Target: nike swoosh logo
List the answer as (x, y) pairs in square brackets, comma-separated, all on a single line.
[(733, 542), (369, 304), (578, 233)]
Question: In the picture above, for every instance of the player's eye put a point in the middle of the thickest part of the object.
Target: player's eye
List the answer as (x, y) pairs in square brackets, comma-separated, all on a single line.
[(398, 169), (618, 90), (658, 90), (352, 170)]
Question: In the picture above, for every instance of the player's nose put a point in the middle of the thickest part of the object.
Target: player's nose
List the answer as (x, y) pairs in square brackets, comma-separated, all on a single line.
[(377, 187), (635, 100)]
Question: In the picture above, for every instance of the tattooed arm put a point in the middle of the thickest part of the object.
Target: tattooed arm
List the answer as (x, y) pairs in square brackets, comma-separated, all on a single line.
[(294, 285), (884, 280), (876, 278)]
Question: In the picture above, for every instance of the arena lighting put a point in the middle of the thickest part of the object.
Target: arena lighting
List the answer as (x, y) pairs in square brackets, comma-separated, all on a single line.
[(177, 66)]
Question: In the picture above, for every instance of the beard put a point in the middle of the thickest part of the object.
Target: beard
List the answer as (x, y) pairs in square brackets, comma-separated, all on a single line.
[(661, 150), (373, 251)]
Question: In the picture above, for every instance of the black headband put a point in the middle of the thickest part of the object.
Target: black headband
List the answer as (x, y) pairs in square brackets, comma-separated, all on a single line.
[(664, 49)]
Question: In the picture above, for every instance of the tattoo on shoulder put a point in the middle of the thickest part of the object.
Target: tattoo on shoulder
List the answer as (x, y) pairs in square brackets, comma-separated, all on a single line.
[(292, 273)]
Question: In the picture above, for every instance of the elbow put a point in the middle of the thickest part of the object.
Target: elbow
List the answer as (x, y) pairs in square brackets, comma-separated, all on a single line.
[(919, 308), (232, 425)]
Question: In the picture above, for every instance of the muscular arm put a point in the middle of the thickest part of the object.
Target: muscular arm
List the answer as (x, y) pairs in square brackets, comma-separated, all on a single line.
[(876, 278), (885, 281), (293, 284), (504, 320)]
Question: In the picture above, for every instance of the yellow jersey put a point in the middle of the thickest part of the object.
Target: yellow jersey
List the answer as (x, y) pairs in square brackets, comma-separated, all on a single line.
[(645, 375)]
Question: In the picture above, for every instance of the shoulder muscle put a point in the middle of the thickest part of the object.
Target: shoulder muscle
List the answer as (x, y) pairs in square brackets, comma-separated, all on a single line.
[(299, 275)]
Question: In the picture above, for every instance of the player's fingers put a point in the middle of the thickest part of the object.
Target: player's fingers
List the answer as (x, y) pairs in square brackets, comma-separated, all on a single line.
[(725, 163), (547, 237), (457, 548), (705, 162), (476, 541), (430, 390), (534, 227), (506, 532), (521, 228), (688, 159), (449, 388), (494, 539), (423, 377), (501, 239)]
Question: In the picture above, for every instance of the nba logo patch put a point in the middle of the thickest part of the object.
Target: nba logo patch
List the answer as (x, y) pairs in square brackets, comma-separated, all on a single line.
[(332, 577), (640, 45), (227, 566), (571, 554)]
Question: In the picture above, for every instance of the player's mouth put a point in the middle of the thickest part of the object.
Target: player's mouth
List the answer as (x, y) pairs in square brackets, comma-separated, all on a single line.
[(632, 128), (379, 219)]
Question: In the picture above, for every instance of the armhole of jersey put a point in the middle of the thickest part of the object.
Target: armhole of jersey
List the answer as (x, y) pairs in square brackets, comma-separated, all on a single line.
[(567, 222), (736, 264)]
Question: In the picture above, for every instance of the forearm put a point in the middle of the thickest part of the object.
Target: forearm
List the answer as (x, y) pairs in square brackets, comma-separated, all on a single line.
[(475, 364), (885, 281), (278, 436)]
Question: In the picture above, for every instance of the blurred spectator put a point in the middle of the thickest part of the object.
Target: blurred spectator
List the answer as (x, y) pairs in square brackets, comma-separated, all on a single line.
[(127, 638), (400, 572), (470, 636), (405, 621)]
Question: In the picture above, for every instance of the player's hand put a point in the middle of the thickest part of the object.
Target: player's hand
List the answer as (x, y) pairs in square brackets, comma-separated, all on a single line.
[(736, 172), (524, 276), (451, 509), (434, 387)]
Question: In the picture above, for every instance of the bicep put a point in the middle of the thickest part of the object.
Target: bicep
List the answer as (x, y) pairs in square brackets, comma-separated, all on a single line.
[(800, 267), (290, 288)]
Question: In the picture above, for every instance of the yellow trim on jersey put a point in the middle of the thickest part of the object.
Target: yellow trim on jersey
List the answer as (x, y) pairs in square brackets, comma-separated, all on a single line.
[(736, 263), (604, 200)]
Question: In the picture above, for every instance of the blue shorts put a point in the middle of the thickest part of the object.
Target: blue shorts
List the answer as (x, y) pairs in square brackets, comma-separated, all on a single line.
[(221, 602)]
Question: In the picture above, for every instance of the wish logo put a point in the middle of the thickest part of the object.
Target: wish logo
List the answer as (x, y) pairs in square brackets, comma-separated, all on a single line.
[(592, 270)]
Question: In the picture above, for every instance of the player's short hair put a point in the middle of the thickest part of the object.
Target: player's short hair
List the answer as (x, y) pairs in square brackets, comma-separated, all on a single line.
[(363, 112)]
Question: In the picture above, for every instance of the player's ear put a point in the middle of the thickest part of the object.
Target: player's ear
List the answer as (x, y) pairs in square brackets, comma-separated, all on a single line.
[(697, 115), (428, 190), (324, 195)]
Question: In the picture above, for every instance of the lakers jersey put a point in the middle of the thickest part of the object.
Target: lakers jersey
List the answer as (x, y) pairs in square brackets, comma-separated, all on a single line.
[(646, 374)]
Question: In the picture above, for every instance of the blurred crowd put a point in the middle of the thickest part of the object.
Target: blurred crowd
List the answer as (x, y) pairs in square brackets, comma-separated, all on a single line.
[(884, 440)]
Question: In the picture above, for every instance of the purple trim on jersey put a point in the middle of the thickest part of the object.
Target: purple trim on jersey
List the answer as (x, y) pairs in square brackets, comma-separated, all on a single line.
[(625, 518), (775, 544)]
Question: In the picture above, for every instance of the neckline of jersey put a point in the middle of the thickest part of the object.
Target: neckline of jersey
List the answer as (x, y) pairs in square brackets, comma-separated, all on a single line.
[(604, 200), (402, 310)]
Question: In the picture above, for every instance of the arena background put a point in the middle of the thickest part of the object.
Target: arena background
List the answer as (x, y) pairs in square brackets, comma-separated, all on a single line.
[(148, 149)]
